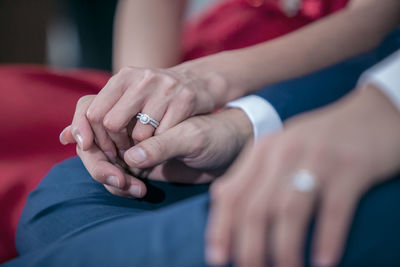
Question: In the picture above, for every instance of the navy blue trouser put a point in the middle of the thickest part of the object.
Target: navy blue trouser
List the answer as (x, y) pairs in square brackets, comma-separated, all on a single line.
[(71, 220)]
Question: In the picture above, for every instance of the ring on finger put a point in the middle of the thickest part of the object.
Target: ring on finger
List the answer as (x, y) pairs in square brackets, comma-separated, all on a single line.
[(146, 119), (303, 181)]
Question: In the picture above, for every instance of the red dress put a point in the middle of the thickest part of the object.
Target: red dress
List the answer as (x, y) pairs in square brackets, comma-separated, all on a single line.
[(36, 103)]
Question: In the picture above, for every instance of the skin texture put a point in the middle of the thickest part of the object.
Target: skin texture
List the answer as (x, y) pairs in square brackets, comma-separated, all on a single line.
[(204, 84), (358, 28), (147, 33), (200, 148), (349, 147), (171, 95), (167, 95)]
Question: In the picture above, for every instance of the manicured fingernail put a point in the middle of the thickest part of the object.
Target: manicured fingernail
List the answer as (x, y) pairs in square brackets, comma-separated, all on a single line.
[(214, 256), (79, 139), (61, 139), (110, 157), (135, 190), (113, 181), (137, 155)]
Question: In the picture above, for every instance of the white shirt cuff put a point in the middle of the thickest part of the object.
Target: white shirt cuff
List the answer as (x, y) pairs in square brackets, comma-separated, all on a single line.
[(386, 76), (262, 114)]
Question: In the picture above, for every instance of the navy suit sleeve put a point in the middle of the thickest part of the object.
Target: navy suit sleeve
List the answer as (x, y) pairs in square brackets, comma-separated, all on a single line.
[(318, 89)]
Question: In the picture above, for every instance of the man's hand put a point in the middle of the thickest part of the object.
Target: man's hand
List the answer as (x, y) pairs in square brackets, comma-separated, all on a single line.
[(169, 96), (202, 142), (260, 213), (208, 143)]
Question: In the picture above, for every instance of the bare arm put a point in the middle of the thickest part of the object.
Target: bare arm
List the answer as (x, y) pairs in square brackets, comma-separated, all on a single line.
[(147, 33), (356, 29)]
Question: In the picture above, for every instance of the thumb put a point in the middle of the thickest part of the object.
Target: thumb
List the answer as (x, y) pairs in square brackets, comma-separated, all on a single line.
[(157, 149)]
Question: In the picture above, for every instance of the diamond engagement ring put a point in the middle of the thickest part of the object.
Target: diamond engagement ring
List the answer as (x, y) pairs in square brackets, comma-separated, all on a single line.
[(303, 181), (146, 119)]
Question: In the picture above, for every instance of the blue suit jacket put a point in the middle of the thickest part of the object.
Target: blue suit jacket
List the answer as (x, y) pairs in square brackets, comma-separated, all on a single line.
[(326, 86)]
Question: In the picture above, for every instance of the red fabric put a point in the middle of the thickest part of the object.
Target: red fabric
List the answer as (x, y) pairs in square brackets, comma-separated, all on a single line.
[(36, 103), (240, 23)]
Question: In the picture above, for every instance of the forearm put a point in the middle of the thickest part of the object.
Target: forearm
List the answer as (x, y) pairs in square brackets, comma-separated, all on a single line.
[(147, 33), (356, 29)]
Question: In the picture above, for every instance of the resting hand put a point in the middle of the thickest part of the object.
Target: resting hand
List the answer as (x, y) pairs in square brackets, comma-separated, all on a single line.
[(208, 143), (260, 215), (169, 96)]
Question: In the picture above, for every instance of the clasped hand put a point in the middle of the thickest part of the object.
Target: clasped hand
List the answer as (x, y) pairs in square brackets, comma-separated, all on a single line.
[(113, 146), (257, 215)]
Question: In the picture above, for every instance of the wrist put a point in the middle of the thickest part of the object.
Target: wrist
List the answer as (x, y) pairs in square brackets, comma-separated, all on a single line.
[(238, 123), (216, 139), (373, 108), (373, 99), (220, 75)]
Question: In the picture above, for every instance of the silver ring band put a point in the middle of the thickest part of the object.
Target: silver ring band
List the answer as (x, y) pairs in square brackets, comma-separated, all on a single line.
[(146, 119), (303, 181)]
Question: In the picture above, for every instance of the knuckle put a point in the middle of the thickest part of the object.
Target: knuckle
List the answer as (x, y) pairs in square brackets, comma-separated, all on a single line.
[(114, 79), (195, 127), (149, 75), (84, 99), (197, 131), (111, 125), (117, 82), (93, 115), (168, 80), (124, 78), (187, 95), (125, 71), (167, 91)]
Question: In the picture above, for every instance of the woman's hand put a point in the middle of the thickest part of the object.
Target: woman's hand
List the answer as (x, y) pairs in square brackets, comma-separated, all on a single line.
[(208, 143), (322, 162), (169, 96)]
